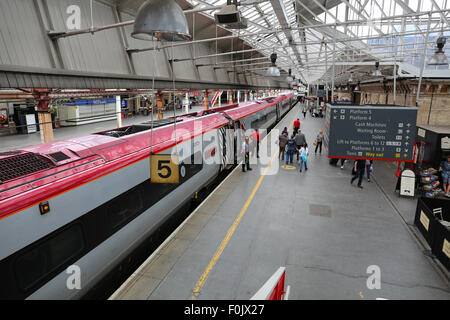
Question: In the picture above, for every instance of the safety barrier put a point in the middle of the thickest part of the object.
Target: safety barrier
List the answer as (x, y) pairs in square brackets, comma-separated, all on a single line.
[(273, 289)]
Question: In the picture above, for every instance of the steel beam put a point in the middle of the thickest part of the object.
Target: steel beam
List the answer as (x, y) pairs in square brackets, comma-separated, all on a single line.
[(30, 77)]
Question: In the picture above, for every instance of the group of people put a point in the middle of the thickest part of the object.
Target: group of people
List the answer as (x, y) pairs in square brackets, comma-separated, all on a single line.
[(296, 144)]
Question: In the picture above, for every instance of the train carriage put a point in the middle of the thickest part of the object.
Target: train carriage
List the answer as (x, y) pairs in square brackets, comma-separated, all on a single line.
[(91, 201)]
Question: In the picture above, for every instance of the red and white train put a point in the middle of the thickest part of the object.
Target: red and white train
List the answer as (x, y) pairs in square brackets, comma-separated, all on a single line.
[(91, 201)]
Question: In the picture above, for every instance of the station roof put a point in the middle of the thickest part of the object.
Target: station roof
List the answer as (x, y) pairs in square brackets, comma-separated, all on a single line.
[(308, 35)]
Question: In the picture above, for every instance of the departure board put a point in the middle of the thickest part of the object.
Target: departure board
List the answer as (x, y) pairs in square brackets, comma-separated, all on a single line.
[(371, 132)]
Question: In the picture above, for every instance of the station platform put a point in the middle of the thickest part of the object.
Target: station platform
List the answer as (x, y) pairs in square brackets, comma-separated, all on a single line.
[(325, 231), (13, 142)]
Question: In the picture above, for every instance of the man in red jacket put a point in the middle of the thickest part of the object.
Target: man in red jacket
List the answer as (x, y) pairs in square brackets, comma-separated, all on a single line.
[(296, 126)]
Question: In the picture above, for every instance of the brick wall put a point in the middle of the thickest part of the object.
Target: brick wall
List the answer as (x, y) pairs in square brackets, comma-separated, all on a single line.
[(434, 101)]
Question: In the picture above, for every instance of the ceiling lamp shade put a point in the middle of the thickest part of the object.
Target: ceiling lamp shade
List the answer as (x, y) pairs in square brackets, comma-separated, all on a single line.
[(439, 58), (351, 78), (289, 78), (273, 71), (162, 20), (377, 72)]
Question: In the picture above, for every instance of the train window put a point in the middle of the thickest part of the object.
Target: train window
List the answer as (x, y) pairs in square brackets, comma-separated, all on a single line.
[(123, 208), (47, 256)]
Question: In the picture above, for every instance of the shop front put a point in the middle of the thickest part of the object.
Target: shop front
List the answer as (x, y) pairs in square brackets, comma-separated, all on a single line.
[(74, 113), (432, 150)]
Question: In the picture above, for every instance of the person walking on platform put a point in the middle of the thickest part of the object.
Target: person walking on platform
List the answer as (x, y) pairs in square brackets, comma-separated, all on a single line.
[(319, 141), (282, 141), (290, 150), (296, 126), (285, 131), (246, 150), (256, 138), (342, 163), (300, 141), (369, 168), (304, 112), (304, 156), (446, 176), (358, 170)]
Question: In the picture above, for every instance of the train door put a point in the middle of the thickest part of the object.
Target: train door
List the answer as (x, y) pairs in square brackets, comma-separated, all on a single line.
[(278, 111), (225, 135), (238, 139)]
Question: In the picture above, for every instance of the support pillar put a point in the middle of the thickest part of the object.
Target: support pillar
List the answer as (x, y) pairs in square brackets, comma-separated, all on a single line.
[(220, 98), (187, 102), (246, 95), (119, 111), (159, 105), (206, 100), (44, 117), (238, 96)]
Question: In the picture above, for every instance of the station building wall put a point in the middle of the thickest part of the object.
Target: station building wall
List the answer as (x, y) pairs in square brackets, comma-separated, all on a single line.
[(434, 100)]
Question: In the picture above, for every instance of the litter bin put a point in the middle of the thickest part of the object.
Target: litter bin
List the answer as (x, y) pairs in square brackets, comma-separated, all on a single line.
[(407, 183)]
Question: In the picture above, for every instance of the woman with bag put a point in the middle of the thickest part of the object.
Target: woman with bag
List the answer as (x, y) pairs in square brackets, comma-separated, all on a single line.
[(282, 141), (318, 141), (304, 157)]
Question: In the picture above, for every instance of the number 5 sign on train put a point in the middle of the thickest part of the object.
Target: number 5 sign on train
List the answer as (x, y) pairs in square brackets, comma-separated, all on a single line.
[(164, 169)]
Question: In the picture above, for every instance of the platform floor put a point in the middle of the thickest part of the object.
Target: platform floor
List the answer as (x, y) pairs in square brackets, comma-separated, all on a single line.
[(324, 230)]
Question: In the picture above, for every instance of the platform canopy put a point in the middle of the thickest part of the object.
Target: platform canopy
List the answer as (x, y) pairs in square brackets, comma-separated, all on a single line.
[(309, 35), (326, 42)]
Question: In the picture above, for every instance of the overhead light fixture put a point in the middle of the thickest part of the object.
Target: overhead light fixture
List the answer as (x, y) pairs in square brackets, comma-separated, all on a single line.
[(161, 20), (351, 77), (357, 88), (439, 58), (273, 71), (230, 17), (377, 72), (289, 78)]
